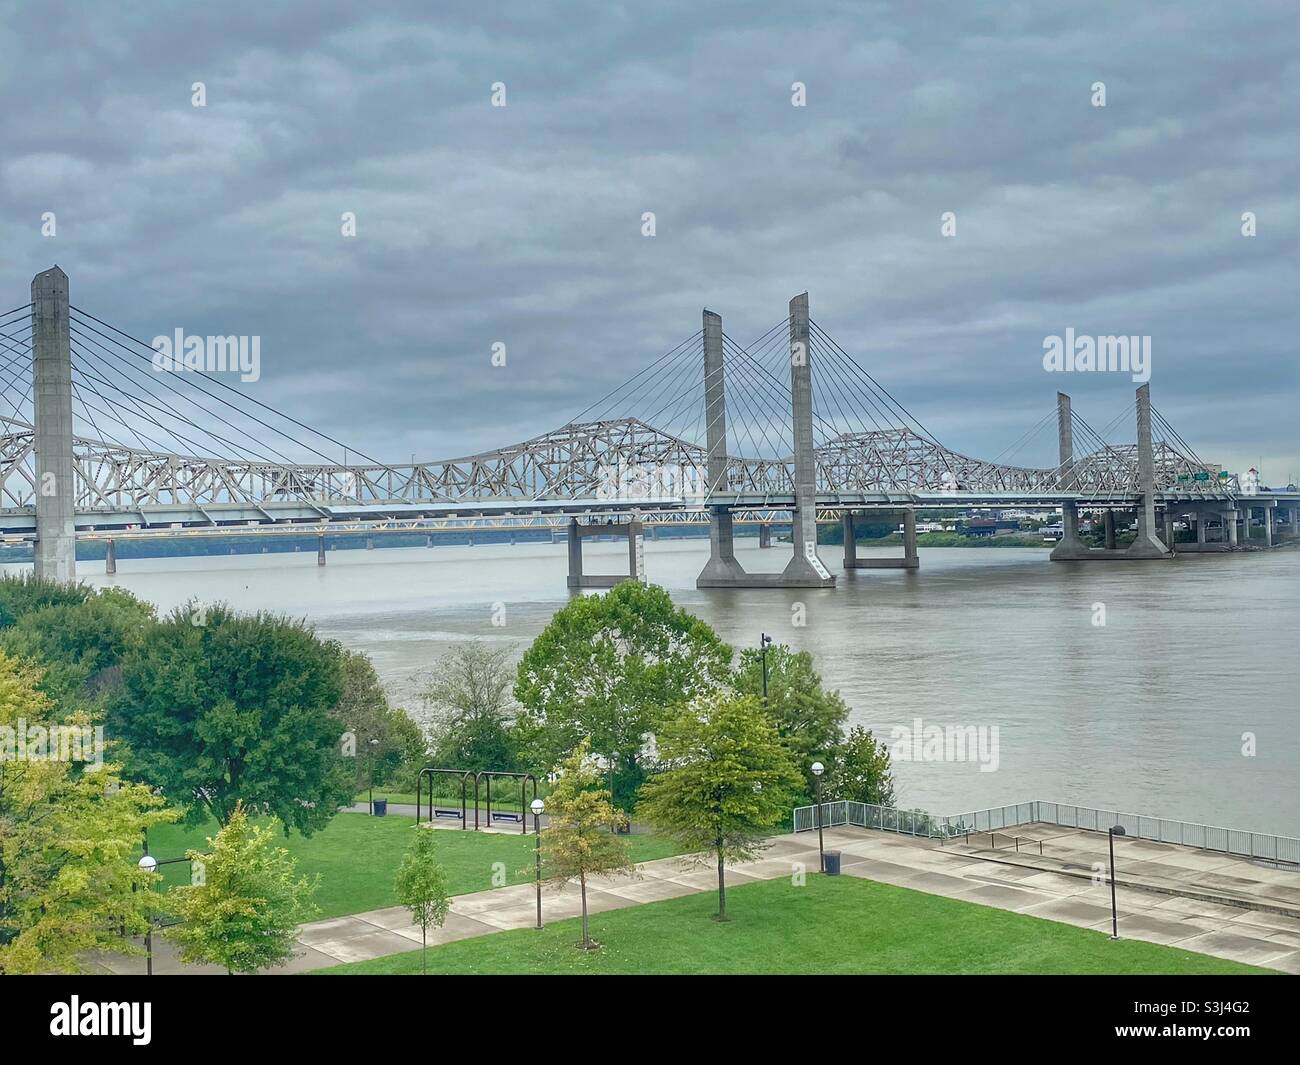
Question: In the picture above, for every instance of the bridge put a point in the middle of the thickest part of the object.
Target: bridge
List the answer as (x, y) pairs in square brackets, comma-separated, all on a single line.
[(105, 442)]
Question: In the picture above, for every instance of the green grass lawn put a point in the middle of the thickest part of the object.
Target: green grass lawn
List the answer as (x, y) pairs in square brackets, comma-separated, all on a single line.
[(831, 925), (357, 858)]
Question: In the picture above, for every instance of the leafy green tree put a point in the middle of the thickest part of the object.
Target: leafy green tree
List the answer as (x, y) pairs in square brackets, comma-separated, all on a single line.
[(364, 711), (22, 594), (422, 888), (219, 708), (809, 719), (729, 778), (244, 912), (859, 770), (469, 700), (80, 645), (610, 667), (577, 842), (70, 836)]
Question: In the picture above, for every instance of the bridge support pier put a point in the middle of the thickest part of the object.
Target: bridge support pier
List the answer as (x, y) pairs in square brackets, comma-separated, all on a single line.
[(1108, 527), (320, 549), (1167, 523), (910, 559), (110, 557), (765, 534), (56, 487), (1230, 528), (633, 530)]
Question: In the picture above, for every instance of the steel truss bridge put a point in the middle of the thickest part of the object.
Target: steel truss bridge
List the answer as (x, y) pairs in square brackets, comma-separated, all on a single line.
[(150, 449)]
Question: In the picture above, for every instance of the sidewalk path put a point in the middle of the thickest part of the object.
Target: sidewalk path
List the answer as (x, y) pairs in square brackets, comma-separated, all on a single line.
[(1183, 912)]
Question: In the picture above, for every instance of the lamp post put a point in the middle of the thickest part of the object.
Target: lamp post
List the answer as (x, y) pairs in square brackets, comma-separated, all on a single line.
[(818, 769), (1117, 830), (148, 864), (537, 807), (370, 772), (764, 642)]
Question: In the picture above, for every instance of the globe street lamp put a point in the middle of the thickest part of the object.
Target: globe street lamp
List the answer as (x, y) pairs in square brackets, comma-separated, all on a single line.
[(1117, 830), (764, 642), (537, 807), (818, 769), (148, 864)]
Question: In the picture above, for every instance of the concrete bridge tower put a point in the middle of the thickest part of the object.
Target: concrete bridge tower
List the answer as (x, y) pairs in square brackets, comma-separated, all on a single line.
[(805, 569), (56, 488), (722, 567), (1147, 544)]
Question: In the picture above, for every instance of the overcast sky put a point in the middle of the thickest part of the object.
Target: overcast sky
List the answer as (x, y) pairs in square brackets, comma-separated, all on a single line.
[(523, 224)]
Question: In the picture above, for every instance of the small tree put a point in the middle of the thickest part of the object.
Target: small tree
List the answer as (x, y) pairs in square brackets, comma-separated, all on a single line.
[(860, 770), (577, 843), (471, 707), (245, 912), (422, 888), (729, 777)]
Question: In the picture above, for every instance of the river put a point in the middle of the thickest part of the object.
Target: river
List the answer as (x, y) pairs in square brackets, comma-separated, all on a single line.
[(1146, 713)]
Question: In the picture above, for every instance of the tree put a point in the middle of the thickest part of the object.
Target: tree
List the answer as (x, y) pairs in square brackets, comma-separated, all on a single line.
[(364, 711), (219, 708), (70, 832), (468, 697), (808, 718), (80, 645), (244, 913), (422, 888), (729, 777), (609, 668), (859, 770), (20, 595), (577, 843)]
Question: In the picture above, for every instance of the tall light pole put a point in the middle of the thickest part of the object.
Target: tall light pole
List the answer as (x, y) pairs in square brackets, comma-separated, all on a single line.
[(148, 864), (1117, 830), (537, 807), (764, 642), (818, 769)]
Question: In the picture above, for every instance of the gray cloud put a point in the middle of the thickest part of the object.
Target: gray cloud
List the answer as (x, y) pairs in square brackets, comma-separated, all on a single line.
[(521, 225)]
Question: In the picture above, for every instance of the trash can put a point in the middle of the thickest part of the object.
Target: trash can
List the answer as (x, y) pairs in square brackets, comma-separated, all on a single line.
[(832, 863), (381, 810)]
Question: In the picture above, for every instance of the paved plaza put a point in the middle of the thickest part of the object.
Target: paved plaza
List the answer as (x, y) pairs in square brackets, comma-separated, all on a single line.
[(1198, 900)]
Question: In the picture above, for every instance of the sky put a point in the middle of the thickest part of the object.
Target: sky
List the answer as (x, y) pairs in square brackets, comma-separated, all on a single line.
[(523, 225)]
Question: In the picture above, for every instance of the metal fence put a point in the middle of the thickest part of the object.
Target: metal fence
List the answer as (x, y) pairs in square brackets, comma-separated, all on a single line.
[(1264, 845)]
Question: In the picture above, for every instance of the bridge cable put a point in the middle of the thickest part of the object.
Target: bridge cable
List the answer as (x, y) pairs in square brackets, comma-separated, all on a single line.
[(198, 448), (217, 381)]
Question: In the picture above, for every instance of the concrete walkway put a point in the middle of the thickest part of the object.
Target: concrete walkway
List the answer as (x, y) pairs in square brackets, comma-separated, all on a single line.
[(1205, 902)]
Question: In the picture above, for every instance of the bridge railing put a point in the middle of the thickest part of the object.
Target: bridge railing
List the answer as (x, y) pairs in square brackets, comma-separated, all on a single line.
[(1240, 842)]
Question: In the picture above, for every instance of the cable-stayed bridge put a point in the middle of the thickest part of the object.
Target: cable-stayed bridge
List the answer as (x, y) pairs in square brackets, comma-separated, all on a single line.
[(102, 439)]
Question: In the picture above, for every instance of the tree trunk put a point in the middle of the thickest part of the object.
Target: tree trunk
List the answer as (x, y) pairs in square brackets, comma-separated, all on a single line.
[(722, 890), (424, 951), (586, 937)]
